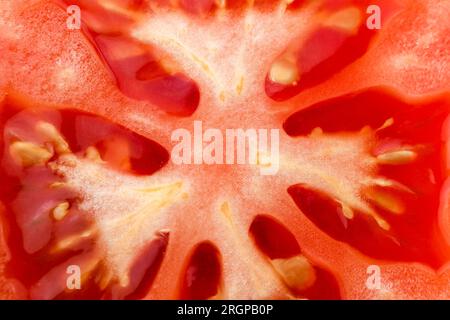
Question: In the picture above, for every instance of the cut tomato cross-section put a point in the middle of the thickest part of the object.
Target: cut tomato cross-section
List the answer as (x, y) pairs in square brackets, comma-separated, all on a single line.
[(93, 206)]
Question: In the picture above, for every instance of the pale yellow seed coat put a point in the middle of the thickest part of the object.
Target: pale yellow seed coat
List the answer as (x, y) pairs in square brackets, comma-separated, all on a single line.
[(61, 210), (50, 132), (93, 154), (348, 19), (29, 154), (386, 201), (398, 157), (284, 71), (297, 272)]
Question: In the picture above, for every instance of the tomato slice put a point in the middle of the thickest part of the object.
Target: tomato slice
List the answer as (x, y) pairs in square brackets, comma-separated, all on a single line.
[(89, 189)]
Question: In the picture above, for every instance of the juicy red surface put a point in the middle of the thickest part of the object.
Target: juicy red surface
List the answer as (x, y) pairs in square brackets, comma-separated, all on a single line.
[(414, 236)]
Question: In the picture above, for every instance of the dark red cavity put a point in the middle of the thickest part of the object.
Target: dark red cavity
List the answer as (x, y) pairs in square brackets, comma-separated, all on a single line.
[(272, 238), (350, 112), (139, 75), (329, 50), (297, 4), (326, 52), (411, 238), (113, 142), (277, 242), (142, 77), (202, 276), (147, 265)]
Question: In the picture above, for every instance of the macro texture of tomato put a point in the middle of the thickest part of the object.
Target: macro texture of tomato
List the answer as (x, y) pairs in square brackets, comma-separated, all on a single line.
[(88, 183)]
